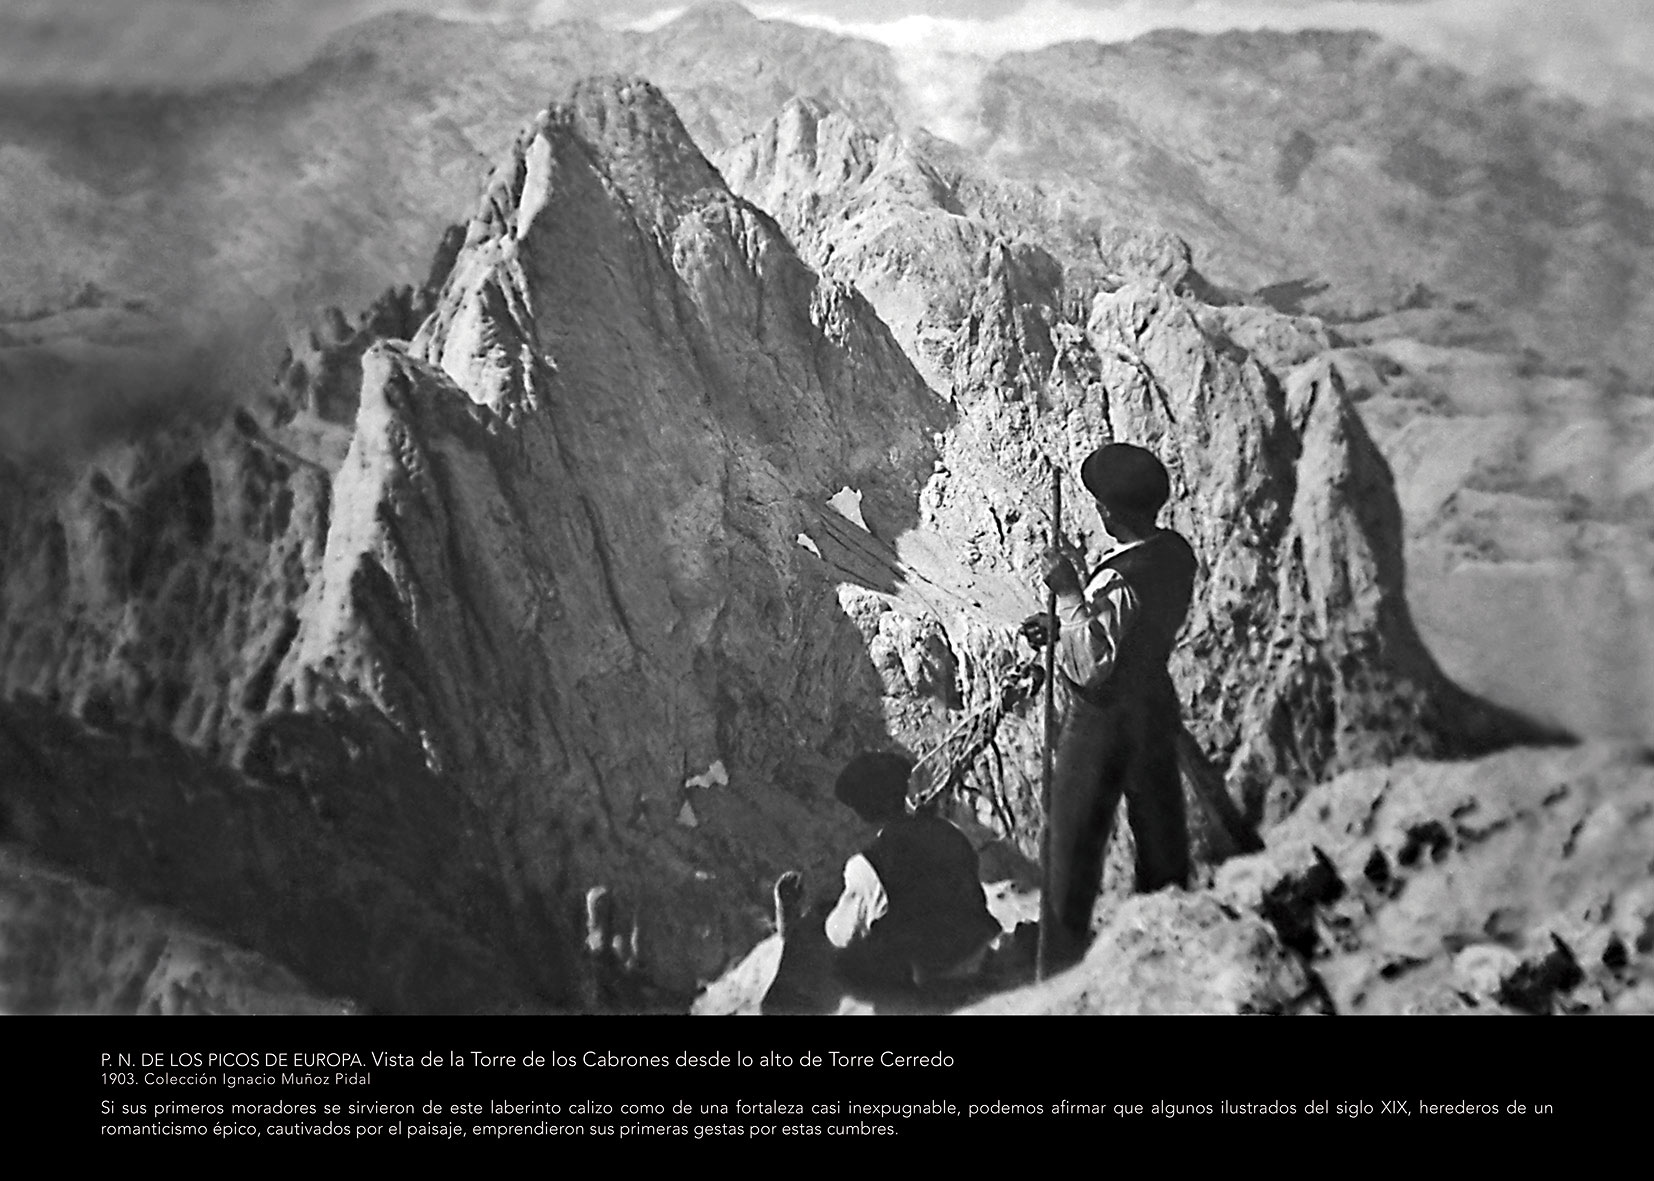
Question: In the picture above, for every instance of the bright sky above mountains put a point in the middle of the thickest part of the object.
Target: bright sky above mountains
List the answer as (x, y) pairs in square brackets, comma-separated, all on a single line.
[(1599, 50)]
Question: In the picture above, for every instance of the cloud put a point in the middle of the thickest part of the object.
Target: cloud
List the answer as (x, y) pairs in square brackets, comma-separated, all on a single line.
[(1601, 51), (115, 374), (173, 43)]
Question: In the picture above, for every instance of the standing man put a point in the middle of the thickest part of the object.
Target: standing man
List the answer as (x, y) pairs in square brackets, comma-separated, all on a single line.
[(1114, 634)]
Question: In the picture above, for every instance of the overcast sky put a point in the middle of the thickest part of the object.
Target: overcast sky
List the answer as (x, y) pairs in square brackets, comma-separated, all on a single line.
[(1599, 50)]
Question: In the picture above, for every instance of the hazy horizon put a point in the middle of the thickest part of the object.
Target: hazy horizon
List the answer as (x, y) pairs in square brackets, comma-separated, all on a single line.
[(1598, 51)]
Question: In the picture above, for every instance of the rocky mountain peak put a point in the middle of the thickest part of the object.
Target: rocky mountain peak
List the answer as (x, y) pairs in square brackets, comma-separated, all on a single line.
[(632, 127), (625, 129), (556, 566)]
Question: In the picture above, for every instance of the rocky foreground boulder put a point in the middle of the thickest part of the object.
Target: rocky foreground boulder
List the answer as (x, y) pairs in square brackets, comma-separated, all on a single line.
[(596, 574), (1518, 883)]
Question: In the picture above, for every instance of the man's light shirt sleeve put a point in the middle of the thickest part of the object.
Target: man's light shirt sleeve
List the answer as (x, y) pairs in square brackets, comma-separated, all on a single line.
[(1093, 627), (861, 905)]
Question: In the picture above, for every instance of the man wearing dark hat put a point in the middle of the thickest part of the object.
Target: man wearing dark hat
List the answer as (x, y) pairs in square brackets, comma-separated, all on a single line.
[(1114, 633), (912, 910)]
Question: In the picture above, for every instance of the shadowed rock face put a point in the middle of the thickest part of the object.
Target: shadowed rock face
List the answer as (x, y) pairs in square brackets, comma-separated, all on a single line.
[(77, 948), (336, 854), (578, 497), (558, 556)]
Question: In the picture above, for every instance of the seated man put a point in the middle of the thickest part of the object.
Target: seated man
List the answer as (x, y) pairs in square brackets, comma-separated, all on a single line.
[(912, 910)]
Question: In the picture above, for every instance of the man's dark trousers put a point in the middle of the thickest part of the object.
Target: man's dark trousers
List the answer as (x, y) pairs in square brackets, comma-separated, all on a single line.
[(1124, 744)]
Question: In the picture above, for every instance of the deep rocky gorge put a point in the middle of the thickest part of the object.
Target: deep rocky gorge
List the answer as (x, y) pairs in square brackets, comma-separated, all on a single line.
[(675, 483)]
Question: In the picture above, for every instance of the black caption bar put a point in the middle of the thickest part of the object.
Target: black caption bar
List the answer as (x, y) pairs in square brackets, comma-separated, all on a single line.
[(404, 1082)]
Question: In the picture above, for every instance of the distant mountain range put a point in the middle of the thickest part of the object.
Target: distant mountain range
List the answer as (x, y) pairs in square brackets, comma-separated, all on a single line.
[(1325, 171)]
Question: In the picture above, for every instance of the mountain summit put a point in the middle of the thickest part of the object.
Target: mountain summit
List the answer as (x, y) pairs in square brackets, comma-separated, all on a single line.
[(559, 554)]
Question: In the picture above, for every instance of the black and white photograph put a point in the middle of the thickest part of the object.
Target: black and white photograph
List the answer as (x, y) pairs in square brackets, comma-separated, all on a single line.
[(827, 507)]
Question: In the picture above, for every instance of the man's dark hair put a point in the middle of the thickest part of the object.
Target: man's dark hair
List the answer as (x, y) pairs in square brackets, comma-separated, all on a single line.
[(874, 784), (1127, 479)]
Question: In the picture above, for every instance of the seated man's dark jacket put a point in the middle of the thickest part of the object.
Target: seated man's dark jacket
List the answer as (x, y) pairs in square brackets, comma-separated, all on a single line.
[(936, 915)]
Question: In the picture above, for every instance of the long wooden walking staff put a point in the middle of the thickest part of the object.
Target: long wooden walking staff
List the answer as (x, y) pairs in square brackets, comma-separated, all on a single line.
[(1047, 910)]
